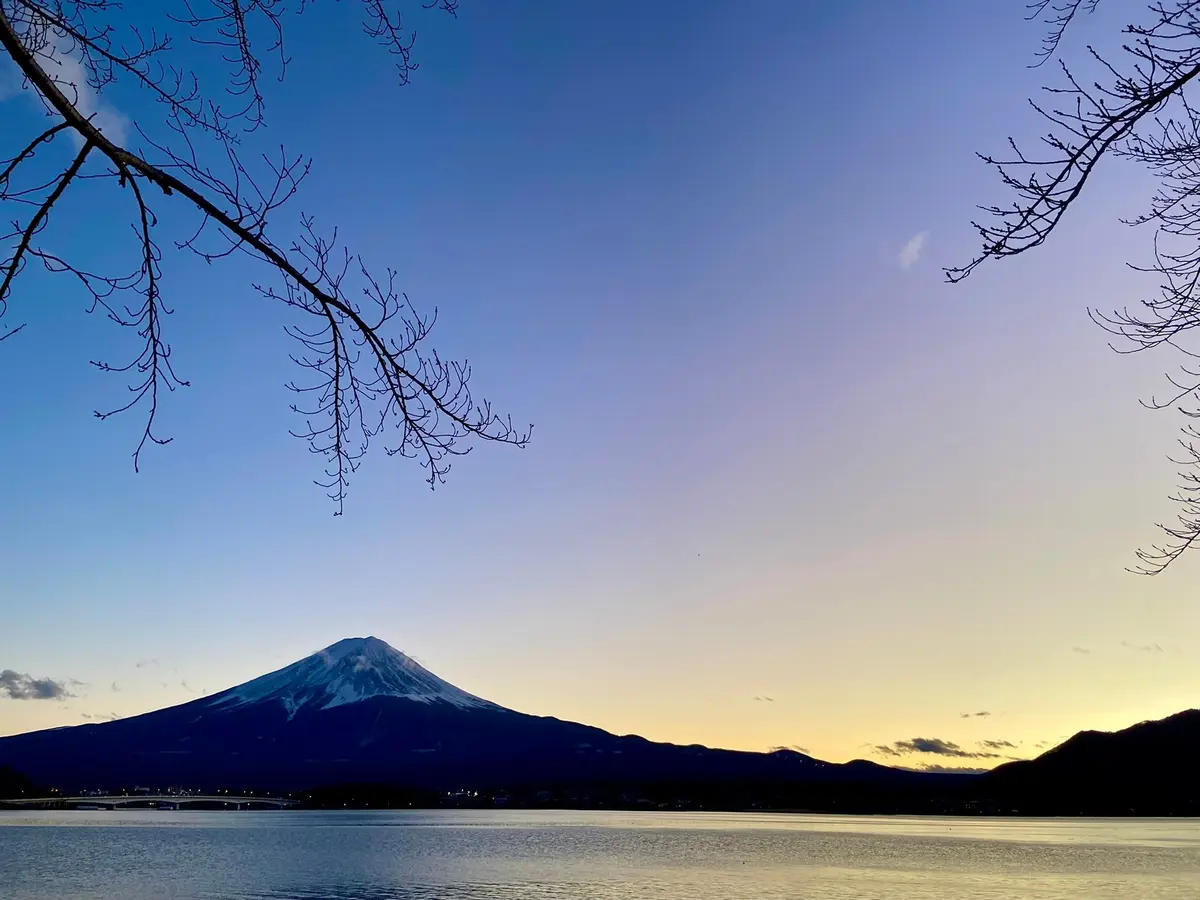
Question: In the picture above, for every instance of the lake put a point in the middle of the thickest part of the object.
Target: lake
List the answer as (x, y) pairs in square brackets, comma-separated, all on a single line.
[(520, 855)]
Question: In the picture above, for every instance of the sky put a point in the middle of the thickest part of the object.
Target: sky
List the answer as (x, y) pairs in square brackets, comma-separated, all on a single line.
[(786, 487)]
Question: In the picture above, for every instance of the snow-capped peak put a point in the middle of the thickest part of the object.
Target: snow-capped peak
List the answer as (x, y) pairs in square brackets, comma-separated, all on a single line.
[(351, 670)]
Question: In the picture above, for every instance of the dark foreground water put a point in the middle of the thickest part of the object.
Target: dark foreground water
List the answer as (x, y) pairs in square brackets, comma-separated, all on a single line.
[(600, 856)]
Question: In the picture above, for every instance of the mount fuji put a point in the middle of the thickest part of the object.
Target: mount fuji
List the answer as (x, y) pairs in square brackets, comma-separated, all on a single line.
[(349, 671), (362, 711)]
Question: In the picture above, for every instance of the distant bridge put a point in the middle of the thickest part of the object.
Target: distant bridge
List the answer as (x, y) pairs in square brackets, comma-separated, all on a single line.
[(152, 801)]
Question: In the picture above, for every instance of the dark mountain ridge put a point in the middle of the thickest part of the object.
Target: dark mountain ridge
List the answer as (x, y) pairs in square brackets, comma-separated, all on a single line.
[(360, 722), (1146, 769), (361, 711)]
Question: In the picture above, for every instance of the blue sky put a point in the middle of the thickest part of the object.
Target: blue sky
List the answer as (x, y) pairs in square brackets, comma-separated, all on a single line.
[(774, 455)]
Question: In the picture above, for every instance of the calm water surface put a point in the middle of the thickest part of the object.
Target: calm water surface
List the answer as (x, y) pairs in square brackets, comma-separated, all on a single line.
[(599, 856)]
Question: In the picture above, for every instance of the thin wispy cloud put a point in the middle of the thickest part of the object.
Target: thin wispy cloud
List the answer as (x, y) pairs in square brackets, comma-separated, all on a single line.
[(935, 769), (975, 715), (794, 748), (998, 745), (942, 747), (19, 686), (934, 746), (10, 79), (1142, 648), (1082, 650), (765, 699), (910, 253)]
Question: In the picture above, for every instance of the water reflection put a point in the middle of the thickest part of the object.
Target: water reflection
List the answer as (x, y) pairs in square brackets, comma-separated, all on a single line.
[(587, 856)]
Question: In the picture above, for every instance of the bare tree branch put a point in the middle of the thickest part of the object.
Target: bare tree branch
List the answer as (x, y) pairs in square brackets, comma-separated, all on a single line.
[(365, 353), (1138, 109), (1057, 15)]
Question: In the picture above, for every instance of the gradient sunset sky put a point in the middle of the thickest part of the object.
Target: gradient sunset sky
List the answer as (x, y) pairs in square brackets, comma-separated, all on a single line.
[(786, 486)]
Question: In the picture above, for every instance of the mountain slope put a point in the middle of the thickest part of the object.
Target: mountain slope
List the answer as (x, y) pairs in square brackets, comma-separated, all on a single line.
[(362, 711), (349, 671), (1149, 768)]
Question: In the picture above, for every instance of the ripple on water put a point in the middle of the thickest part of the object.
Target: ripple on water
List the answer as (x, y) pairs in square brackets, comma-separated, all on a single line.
[(588, 856)]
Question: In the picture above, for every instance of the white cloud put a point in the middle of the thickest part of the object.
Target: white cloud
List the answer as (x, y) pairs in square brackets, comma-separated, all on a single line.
[(10, 79), (911, 252), (68, 73)]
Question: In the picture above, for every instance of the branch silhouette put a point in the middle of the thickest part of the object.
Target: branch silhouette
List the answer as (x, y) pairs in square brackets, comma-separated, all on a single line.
[(1138, 109), (367, 367)]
